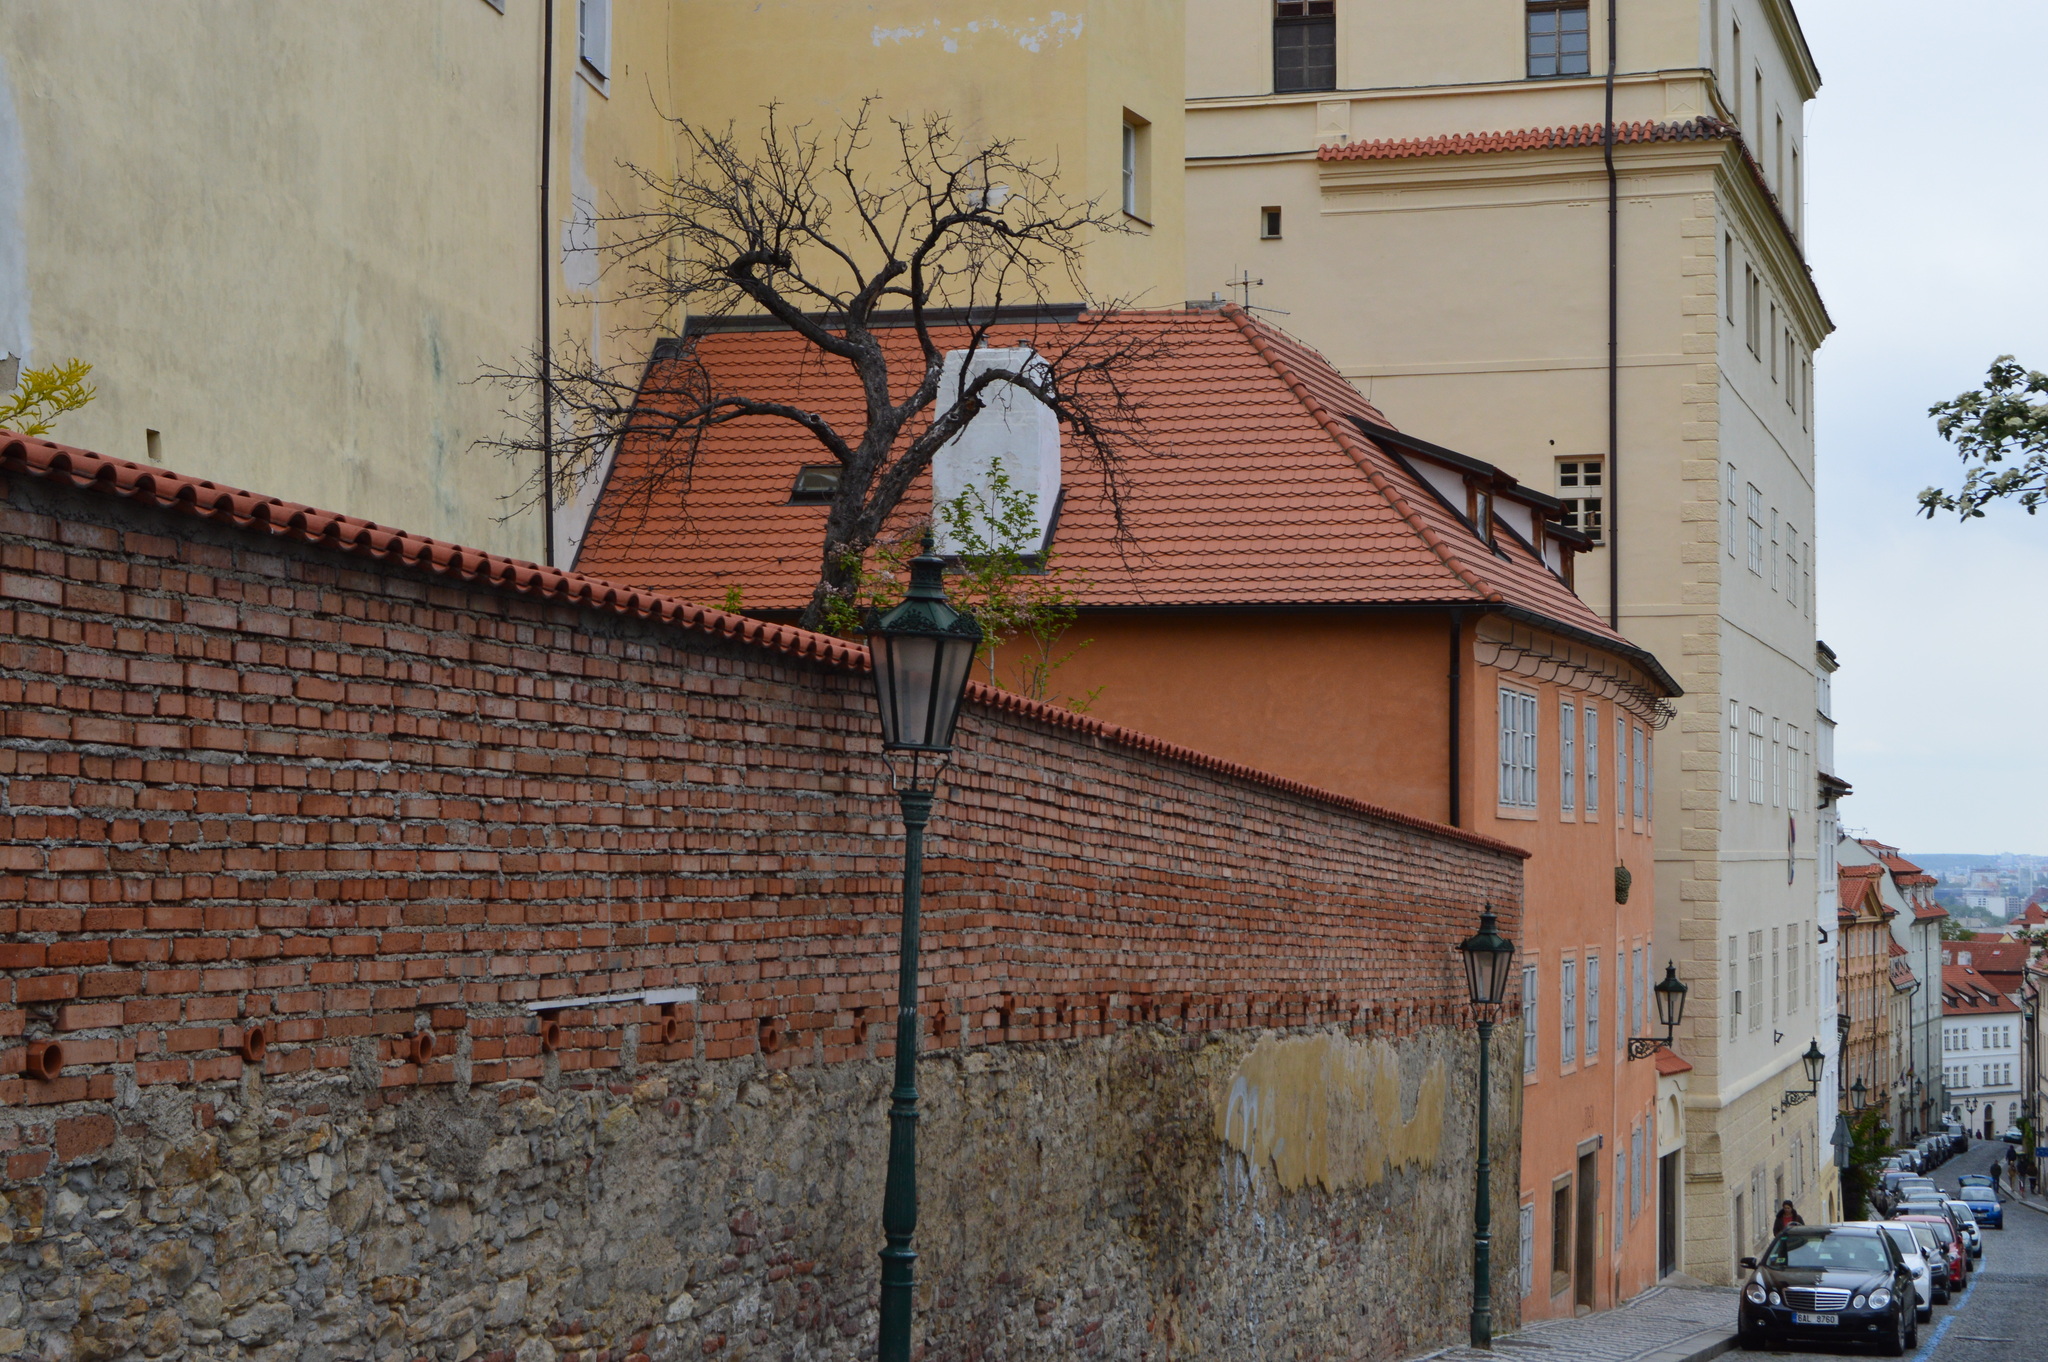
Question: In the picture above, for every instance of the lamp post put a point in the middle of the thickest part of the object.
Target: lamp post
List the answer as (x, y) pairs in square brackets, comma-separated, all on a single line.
[(1670, 994), (1489, 958), (1858, 1091), (923, 650), (1814, 1061)]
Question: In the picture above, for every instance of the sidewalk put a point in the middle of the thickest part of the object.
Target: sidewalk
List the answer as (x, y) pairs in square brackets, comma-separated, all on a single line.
[(1667, 1323)]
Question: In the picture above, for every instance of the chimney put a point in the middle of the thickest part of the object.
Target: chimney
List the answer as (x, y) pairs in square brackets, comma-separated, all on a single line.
[(1013, 429)]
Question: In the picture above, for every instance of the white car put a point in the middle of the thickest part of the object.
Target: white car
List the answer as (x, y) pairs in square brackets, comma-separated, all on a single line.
[(1971, 1234), (1915, 1254)]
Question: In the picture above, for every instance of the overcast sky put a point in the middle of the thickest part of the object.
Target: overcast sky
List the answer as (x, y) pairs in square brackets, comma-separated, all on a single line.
[(1927, 212)]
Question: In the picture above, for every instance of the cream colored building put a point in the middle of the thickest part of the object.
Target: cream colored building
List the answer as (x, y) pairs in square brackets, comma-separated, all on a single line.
[(1422, 191), (289, 238)]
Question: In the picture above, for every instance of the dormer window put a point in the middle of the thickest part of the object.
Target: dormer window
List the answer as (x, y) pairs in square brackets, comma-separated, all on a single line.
[(1482, 512), (816, 484)]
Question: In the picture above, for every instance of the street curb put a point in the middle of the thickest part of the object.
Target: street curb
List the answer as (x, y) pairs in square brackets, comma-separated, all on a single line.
[(1700, 1347)]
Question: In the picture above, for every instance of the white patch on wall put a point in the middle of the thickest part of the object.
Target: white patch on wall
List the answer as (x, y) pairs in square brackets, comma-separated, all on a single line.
[(14, 300), (1013, 428), (1031, 35), (579, 231)]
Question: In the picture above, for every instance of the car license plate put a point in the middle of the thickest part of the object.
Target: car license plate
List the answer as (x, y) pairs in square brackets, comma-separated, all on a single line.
[(1816, 1319)]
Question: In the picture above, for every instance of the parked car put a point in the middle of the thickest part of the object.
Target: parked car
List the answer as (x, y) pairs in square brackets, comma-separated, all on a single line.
[(1830, 1283), (1920, 1255), (2012, 1135), (1909, 1158), (1951, 1241), (1968, 1219), (1937, 1258), (1981, 1197)]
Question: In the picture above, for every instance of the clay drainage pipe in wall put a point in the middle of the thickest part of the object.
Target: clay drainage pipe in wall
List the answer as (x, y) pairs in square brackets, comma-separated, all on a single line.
[(420, 1048), (254, 1044), (45, 1060), (550, 1035)]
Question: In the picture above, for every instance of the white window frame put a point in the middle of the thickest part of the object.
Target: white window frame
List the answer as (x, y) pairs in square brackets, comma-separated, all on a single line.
[(1756, 977), (1568, 1013), (1528, 1246), (1776, 975), (1620, 768), (1531, 986), (1567, 756), (1756, 756), (594, 37), (1639, 962), (1592, 758), (1754, 506), (1130, 167), (1734, 987), (1777, 763), (1734, 780), (1592, 1006), (1518, 750)]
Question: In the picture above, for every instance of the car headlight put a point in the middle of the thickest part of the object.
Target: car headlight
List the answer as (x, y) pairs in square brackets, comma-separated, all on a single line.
[(1880, 1298), (1755, 1292), (1775, 1300), (1857, 1304)]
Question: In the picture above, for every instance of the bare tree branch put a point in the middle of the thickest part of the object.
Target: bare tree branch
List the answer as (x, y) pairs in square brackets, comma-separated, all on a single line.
[(931, 223)]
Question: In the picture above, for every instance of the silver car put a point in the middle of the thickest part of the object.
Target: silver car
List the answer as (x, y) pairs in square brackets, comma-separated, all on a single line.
[(1915, 1254), (1968, 1219)]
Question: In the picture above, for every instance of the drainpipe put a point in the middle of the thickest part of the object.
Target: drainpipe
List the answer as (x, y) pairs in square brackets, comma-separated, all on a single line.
[(547, 387), (1613, 526), (1457, 687)]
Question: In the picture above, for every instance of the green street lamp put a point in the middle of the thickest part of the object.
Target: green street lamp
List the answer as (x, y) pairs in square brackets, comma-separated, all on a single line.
[(922, 651), (1858, 1092), (1814, 1061), (1489, 960)]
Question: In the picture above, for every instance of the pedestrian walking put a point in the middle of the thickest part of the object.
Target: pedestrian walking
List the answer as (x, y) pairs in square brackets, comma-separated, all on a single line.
[(1994, 1181), (1788, 1215)]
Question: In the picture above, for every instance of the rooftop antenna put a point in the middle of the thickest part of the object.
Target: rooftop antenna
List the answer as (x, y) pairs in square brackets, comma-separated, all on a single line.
[(1246, 283)]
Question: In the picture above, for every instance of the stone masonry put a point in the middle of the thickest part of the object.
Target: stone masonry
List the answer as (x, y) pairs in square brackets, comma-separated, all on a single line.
[(298, 816)]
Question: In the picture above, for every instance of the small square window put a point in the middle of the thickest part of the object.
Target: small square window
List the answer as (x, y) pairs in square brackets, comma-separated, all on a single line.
[(1581, 485), (1557, 38), (815, 483), (1269, 224)]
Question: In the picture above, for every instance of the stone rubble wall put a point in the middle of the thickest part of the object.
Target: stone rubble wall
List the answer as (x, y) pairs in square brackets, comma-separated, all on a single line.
[(290, 839)]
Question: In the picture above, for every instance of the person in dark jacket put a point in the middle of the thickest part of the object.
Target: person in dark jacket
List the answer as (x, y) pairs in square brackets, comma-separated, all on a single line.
[(1788, 1215)]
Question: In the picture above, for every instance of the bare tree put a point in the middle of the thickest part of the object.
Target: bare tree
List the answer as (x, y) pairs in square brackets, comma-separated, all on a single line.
[(840, 237)]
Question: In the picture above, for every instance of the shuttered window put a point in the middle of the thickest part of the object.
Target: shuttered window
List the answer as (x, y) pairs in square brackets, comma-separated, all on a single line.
[(1567, 756), (1592, 758), (1517, 749)]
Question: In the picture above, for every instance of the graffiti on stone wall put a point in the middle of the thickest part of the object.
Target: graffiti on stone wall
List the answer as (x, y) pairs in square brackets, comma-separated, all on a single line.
[(1329, 1110)]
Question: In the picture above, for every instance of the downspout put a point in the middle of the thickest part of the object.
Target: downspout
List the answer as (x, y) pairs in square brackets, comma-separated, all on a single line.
[(1613, 526), (547, 385), (1457, 687)]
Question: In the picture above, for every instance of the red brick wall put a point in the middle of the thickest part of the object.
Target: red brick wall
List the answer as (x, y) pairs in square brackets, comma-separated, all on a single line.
[(254, 782)]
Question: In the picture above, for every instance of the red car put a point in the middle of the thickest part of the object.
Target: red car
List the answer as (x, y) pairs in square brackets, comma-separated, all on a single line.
[(1951, 1245)]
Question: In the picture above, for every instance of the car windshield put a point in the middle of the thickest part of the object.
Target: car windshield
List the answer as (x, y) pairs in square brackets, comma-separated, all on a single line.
[(1928, 1243), (1903, 1236), (1962, 1208), (1939, 1229), (1975, 1179), (1842, 1252)]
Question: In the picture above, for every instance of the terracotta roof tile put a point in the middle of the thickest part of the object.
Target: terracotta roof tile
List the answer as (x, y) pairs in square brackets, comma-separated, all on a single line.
[(1966, 991), (1529, 139), (1670, 1063), (1258, 488), (268, 518)]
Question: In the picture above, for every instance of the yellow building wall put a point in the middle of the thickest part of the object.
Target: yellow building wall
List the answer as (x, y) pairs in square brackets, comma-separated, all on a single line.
[(1060, 82)]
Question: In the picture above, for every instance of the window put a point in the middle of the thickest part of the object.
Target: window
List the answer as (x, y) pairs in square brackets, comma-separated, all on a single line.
[(1806, 576), (1558, 40), (1753, 321), (1269, 224), (1756, 976), (815, 483), (1528, 1242), (1805, 395), (1529, 996), (594, 35), (1735, 74), (1137, 167), (1733, 779), (1592, 758), (1649, 779), (1728, 275), (1757, 96), (1728, 496), (1772, 332), (1796, 199), (1777, 764), (1774, 548), (1620, 767), (1581, 486), (1755, 507), (1734, 990), (1792, 935), (1560, 1235), (1635, 1182), (1568, 1012), (1567, 756), (1778, 158), (1640, 958), (1517, 749), (1623, 1008), (1620, 1193), (1642, 763), (1304, 45), (1774, 976), (1791, 385), (1592, 1006), (1791, 565)]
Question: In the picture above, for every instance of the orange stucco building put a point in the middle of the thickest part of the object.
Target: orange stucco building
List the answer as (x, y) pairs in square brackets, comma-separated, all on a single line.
[(1300, 588)]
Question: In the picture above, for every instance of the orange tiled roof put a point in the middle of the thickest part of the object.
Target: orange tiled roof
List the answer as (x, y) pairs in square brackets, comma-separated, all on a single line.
[(1896, 948), (2033, 915), (1670, 1063), (1528, 139), (1903, 870), (1259, 487), (1965, 991), (264, 517), (1928, 912), (1852, 882)]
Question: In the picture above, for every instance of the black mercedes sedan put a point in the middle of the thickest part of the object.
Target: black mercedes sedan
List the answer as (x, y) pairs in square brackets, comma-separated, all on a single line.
[(1834, 1283)]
